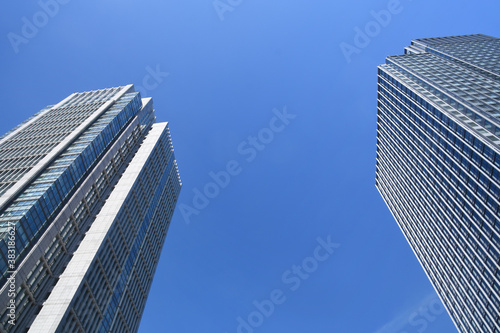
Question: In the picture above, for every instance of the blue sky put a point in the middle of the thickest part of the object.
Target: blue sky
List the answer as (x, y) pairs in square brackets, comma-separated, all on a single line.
[(258, 94)]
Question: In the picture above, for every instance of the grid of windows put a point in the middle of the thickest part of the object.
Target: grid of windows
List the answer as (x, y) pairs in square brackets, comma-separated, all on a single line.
[(438, 169), (435, 41), (27, 147), (94, 96), (91, 139), (26, 121), (118, 281), (51, 264), (33, 210), (472, 91), (479, 52)]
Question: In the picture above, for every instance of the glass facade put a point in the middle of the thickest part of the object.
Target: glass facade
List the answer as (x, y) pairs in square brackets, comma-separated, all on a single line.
[(438, 167), (45, 215)]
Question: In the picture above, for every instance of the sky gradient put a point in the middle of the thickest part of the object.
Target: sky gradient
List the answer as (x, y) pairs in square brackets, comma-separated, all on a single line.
[(272, 110)]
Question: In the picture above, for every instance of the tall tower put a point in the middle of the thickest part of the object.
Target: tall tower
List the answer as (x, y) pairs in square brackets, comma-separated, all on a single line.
[(87, 191), (438, 167)]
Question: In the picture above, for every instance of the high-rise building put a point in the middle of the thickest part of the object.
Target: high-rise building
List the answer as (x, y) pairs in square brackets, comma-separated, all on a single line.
[(438, 167), (87, 191)]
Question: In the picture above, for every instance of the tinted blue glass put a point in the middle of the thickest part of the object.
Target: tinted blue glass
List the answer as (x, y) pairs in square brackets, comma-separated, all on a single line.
[(115, 127), (3, 264), (98, 143), (54, 196), (78, 168), (29, 228), (21, 240), (3, 249), (107, 134), (43, 206), (39, 212), (88, 157), (48, 202)]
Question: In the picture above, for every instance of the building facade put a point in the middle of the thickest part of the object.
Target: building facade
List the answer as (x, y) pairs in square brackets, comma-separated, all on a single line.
[(87, 191), (438, 167)]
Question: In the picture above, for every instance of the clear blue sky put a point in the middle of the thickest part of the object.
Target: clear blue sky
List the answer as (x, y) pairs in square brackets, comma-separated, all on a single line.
[(309, 175)]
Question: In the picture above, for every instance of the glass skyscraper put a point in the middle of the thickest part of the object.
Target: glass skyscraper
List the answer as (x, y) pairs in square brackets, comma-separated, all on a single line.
[(438, 167), (87, 191)]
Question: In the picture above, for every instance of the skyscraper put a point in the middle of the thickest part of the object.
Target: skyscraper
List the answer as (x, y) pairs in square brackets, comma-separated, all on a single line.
[(87, 191), (438, 167)]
